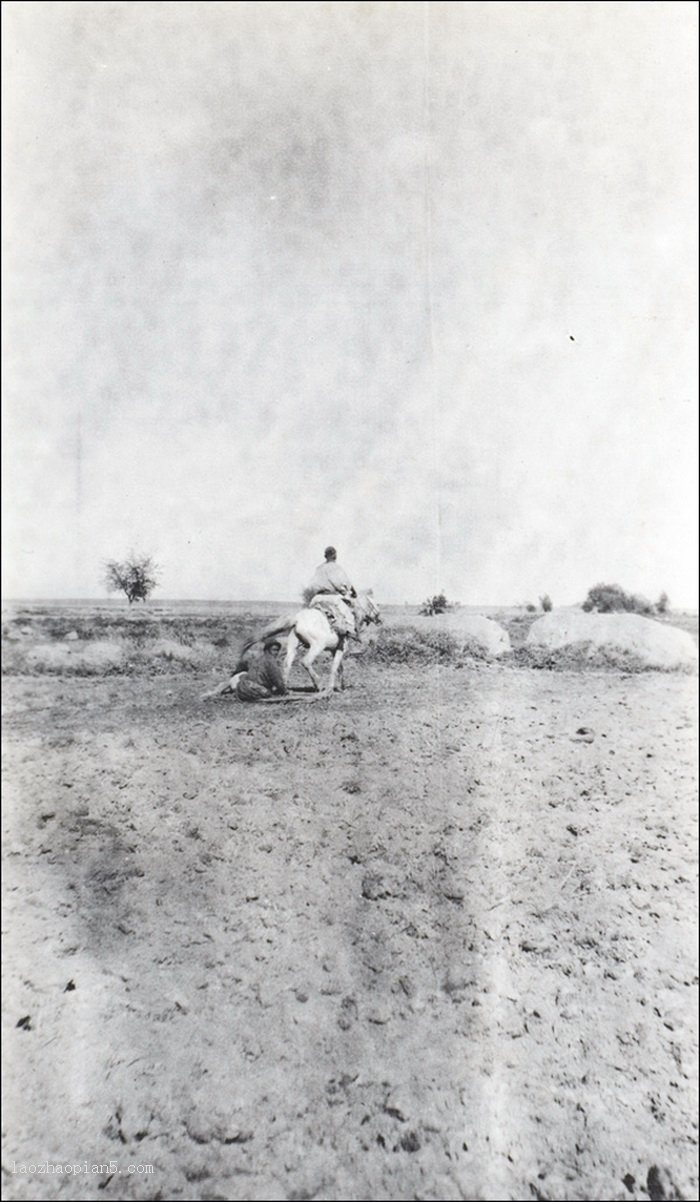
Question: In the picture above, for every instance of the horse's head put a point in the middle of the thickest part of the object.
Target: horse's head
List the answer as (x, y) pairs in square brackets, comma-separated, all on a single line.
[(368, 610)]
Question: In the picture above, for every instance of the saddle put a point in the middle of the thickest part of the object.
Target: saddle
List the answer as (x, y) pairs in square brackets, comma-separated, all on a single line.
[(339, 613)]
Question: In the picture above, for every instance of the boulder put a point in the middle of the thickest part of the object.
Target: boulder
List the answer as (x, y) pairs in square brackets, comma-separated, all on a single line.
[(468, 628), (655, 644), (492, 637)]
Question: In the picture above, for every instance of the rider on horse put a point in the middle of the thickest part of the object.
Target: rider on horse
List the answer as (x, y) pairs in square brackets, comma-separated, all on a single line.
[(332, 591)]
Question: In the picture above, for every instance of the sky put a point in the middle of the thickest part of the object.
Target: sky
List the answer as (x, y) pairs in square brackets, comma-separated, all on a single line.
[(415, 279)]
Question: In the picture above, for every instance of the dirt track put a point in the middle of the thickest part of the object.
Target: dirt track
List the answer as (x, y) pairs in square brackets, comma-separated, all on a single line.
[(423, 941)]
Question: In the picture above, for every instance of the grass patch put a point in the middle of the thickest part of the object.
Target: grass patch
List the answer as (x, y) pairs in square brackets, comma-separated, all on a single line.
[(73, 659), (132, 642), (44, 641), (410, 645), (581, 657)]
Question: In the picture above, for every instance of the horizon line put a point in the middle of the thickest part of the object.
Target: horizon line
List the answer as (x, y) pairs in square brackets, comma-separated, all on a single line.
[(680, 609)]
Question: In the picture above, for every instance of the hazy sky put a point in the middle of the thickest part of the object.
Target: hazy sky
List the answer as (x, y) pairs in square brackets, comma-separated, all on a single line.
[(417, 279)]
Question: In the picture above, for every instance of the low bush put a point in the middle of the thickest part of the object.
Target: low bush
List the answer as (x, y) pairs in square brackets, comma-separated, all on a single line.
[(435, 605), (610, 599)]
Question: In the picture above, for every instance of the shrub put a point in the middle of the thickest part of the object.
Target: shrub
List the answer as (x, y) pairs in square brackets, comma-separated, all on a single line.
[(435, 605), (610, 599)]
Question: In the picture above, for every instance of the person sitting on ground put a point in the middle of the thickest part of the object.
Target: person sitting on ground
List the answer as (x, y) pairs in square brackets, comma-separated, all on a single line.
[(257, 675)]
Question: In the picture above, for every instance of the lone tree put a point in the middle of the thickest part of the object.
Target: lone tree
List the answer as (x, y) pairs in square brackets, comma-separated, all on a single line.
[(137, 576), (546, 603)]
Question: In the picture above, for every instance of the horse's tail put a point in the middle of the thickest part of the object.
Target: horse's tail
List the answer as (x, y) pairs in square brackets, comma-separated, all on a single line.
[(279, 626)]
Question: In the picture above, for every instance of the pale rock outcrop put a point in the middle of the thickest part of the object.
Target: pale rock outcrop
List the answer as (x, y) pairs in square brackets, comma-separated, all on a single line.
[(656, 644)]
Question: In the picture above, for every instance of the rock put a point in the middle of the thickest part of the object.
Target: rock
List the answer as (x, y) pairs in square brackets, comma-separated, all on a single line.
[(383, 882), (379, 1015), (348, 1013), (484, 631), (406, 986), (399, 1104), (71, 637), (530, 945), (655, 644), (226, 1131), (199, 1128), (465, 627), (456, 983), (373, 887), (468, 628), (205, 1126), (661, 1186)]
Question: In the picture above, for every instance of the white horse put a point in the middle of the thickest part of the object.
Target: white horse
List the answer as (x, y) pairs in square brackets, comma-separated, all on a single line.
[(310, 628)]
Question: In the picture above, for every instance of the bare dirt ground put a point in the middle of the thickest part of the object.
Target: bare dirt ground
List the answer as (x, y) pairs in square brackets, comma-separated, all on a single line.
[(424, 941)]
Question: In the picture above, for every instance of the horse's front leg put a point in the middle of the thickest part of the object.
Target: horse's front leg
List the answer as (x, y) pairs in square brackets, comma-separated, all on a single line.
[(292, 645), (314, 651), (336, 671)]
